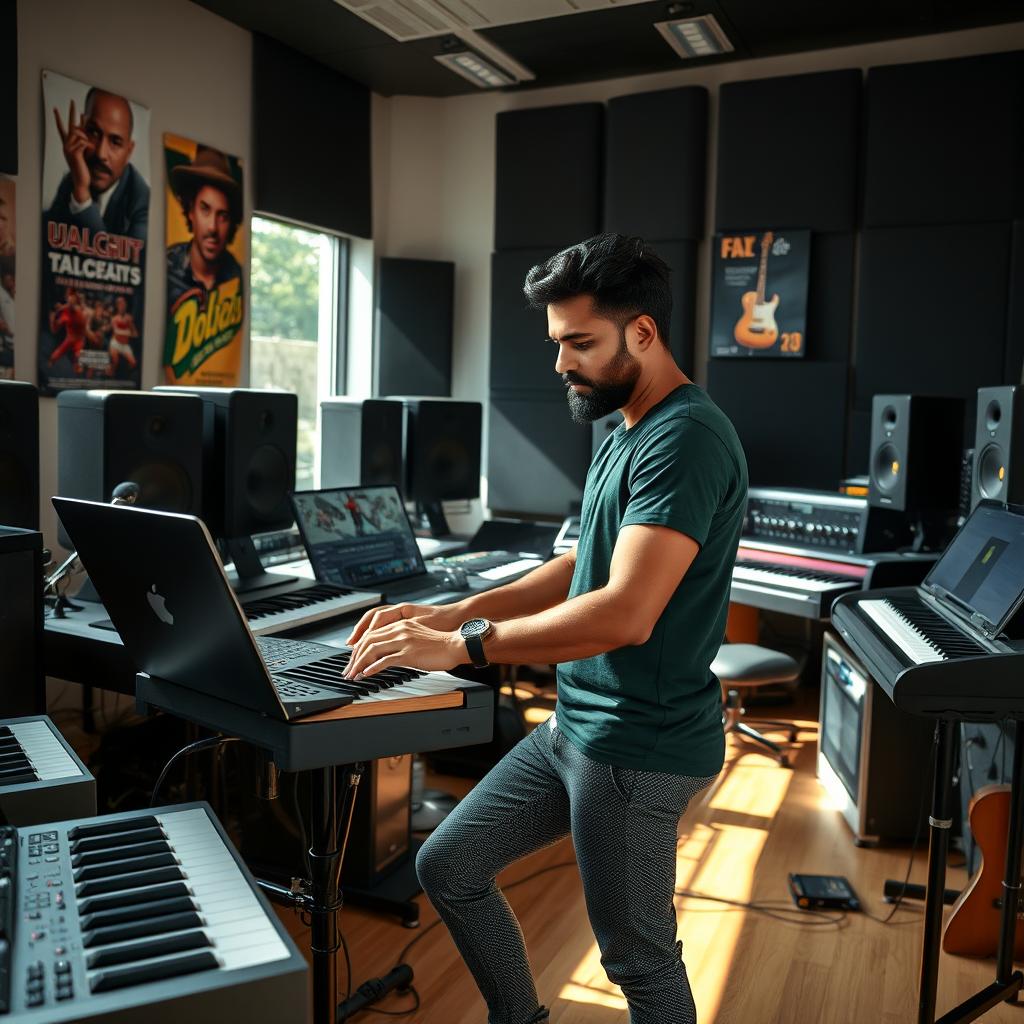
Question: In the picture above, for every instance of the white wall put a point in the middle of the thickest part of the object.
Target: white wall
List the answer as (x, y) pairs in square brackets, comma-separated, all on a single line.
[(438, 180), (192, 70)]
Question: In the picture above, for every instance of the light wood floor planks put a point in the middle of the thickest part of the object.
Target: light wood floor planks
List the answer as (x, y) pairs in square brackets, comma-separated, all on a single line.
[(739, 841)]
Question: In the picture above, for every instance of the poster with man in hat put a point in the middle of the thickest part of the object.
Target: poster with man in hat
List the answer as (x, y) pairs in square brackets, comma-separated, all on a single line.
[(205, 246)]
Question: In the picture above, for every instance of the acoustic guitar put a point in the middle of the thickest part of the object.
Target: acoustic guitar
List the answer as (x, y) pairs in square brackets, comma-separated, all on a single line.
[(973, 925), (757, 328)]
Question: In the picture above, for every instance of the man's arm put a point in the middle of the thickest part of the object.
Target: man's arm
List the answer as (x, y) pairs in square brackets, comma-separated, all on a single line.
[(647, 566), (541, 588)]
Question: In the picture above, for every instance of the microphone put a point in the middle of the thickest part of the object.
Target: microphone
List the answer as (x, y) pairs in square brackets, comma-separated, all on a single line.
[(126, 493)]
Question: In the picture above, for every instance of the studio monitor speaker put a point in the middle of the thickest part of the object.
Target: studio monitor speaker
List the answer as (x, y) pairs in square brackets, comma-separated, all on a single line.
[(19, 455), (914, 462), (442, 449), (999, 446), (249, 447), (110, 437), (361, 441)]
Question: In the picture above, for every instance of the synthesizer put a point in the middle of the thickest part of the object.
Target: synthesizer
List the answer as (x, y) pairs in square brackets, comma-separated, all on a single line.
[(41, 777), (280, 609), (142, 916)]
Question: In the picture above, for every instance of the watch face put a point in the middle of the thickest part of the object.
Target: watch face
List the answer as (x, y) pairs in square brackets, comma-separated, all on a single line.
[(474, 627)]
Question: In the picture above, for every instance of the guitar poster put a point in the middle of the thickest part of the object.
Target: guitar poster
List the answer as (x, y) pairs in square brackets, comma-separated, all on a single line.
[(759, 294)]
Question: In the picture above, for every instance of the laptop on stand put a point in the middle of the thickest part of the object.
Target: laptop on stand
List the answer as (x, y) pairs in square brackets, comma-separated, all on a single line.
[(163, 585)]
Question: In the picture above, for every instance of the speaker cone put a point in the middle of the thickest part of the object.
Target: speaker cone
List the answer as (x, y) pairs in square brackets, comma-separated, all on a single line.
[(887, 469), (266, 481), (992, 471), (163, 485), (380, 465)]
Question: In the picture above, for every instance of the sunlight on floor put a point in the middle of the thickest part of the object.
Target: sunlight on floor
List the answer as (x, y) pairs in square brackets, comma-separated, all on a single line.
[(754, 786)]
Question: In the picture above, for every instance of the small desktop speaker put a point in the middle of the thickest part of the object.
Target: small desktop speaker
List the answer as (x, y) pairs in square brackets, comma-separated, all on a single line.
[(106, 438), (442, 449), (998, 471), (361, 441), (915, 452), (249, 447), (19, 455)]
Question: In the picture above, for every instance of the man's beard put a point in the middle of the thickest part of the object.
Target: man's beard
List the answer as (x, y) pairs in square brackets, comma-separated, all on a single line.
[(604, 397)]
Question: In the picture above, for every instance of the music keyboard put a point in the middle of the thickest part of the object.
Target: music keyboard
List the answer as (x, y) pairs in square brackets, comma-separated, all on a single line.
[(280, 610), (805, 581), (41, 778), (143, 916), (926, 662)]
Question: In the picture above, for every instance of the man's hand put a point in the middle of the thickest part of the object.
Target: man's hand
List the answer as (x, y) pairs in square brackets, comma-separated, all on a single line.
[(407, 642), (442, 617), (75, 143)]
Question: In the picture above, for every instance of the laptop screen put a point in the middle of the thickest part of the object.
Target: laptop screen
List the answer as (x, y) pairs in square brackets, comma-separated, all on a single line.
[(981, 573), (357, 536)]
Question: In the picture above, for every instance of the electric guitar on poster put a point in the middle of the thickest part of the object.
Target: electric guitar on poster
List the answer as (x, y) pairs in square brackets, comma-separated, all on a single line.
[(757, 327), (973, 925)]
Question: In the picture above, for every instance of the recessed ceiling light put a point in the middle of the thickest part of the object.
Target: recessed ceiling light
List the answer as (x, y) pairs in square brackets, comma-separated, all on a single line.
[(475, 69), (695, 37)]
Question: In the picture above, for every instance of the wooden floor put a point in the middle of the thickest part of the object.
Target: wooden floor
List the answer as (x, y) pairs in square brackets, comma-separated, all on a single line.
[(739, 841)]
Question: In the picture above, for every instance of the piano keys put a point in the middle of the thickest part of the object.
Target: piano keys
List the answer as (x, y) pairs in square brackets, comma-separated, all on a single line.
[(804, 581), (276, 611), (41, 777), (144, 916)]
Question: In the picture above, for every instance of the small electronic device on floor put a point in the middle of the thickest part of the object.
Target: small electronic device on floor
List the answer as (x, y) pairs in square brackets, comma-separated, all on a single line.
[(822, 892)]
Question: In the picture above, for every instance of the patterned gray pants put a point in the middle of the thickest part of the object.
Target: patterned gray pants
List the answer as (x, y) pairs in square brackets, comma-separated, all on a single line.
[(624, 827)]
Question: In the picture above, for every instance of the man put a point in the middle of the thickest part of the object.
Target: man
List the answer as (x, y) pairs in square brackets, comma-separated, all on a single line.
[(122, 325), (211, 201), (72, 317), (102, 190), (633, 617)]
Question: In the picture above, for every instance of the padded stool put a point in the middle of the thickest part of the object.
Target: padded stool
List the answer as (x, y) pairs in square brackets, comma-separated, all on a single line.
[(743, 666)]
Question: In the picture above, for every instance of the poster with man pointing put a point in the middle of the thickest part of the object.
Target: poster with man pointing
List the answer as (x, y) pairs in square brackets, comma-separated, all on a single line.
[(95, 198)]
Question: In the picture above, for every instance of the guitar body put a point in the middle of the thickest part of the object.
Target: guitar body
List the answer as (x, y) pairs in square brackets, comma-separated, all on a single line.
[(757, 327), (973, 925)]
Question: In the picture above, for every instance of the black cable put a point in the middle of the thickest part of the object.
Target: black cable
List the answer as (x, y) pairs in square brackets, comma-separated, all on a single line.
[(778, 910), (210, 741), (411, 990), (348, 965)]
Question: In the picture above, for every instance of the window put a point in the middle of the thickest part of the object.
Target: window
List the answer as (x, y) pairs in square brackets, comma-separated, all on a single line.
[(298, 324)]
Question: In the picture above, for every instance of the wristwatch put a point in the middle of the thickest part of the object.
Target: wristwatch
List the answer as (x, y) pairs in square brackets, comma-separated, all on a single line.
[(475, 632)]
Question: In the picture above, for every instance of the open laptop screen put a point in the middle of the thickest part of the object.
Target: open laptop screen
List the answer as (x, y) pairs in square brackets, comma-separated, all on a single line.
[(981, 573), (357, 536)]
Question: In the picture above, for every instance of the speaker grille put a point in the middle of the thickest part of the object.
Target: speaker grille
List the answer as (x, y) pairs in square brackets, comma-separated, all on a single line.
[(992, 472), (887, 469), (267, 481)]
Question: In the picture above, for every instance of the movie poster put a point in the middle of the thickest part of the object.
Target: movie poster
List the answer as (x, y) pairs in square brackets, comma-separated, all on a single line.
[(95, 201), (759, 294), (7, 246), (205, 246)]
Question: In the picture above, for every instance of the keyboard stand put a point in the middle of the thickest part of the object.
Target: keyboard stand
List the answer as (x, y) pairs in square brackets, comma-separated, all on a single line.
[(1008, 982), (317, 747)]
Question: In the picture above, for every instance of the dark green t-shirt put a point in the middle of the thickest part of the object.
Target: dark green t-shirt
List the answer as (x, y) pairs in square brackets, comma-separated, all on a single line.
[(657, 706)]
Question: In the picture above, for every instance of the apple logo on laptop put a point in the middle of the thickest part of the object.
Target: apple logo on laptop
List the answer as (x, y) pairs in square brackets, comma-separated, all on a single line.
[(159, 605)]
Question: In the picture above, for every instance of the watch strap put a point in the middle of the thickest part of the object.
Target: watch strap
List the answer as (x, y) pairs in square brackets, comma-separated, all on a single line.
[(475, 649)]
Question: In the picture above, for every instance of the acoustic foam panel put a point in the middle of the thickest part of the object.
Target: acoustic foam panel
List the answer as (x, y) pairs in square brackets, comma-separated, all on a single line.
[(8, 87), (1013, 370), (521, 356), (788, 152), (932, 311), (548, 183), (790, 417), (663, 197), (305, 169), (943, 141), (415, 300), (537, 456)]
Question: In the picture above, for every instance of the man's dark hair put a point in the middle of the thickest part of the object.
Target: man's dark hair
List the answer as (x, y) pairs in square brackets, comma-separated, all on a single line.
[(186, 196), (624, 276), (94, 92)]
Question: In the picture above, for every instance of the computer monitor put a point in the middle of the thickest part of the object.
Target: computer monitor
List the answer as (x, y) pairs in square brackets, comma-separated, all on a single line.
[(442, 454)]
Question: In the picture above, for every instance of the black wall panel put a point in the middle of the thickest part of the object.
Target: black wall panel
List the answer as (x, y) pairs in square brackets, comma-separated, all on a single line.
[(790, 417), (537, 456), (655, 168), (309, 166), (944, 141), (548, 186), (521, 355), (830, 297), (414, 307), (1013, 369), (788, 152), (8, 86), (932, 310)]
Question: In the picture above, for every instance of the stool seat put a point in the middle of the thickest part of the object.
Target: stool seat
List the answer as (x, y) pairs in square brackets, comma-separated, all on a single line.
[(750, 665)]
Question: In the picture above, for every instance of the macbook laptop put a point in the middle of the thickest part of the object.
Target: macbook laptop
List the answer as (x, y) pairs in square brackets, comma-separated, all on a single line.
[(164, 587), (361, 537)]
